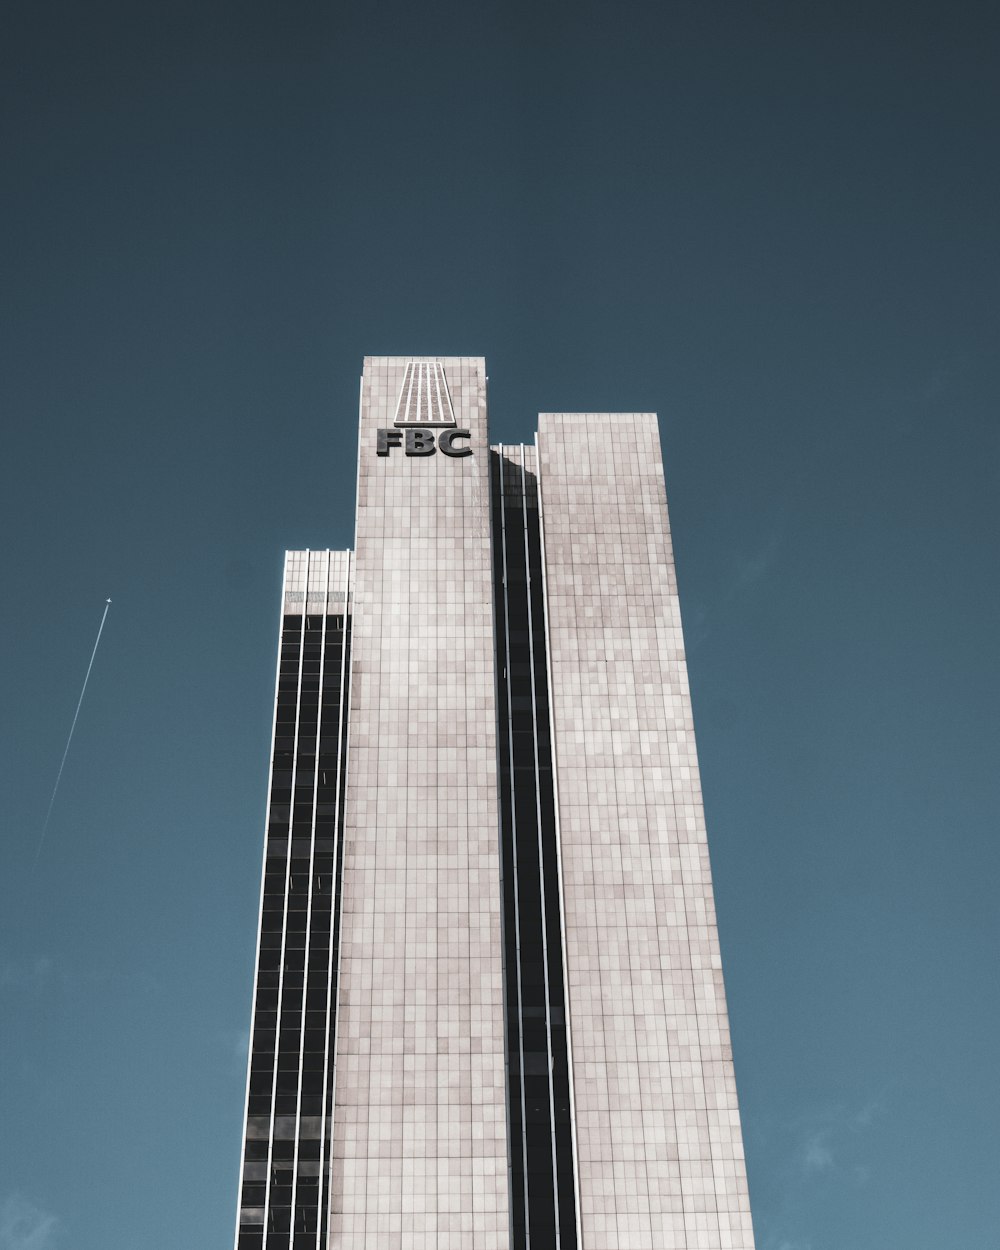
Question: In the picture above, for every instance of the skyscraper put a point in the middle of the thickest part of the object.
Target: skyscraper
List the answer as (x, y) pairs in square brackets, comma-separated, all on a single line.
[(488, 1008)]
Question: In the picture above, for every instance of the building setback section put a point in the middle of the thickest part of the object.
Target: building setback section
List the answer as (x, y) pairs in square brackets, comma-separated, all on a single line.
[(657, 1126), (285, 1176), (419, 1131)]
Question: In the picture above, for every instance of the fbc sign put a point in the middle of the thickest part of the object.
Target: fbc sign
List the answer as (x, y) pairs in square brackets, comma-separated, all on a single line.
[(416, 442)]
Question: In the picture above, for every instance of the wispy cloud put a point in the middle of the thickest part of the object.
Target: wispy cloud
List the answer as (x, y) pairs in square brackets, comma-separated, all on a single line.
[(229, 1048), (817, 1155), (756, 565), (868, 1113), (825, 1148), (827, 1141), (239, 1045), (23, 1226), (746, 571)]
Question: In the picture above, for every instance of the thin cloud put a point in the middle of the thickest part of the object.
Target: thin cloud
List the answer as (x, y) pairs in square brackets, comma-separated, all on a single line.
[(756, 566), (817, 1155), (824, 1149), (829, 1143), (868, 1113), (239, 1047), (747, 573), (23, 1226)]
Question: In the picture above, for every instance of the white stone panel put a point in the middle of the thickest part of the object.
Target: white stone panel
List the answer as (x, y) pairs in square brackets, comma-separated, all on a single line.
[(420, 1149), (660, 1158)]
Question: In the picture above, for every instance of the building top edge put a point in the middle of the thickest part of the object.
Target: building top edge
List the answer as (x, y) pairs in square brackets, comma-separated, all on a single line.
[(594, 416), (405, 360), (320, 551)]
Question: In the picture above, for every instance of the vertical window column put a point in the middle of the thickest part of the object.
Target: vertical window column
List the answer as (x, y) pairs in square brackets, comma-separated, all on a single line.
[(285, 1189), (542, 1193)]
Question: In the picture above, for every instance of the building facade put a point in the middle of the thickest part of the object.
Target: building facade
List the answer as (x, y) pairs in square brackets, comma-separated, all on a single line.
[(488, 1005)]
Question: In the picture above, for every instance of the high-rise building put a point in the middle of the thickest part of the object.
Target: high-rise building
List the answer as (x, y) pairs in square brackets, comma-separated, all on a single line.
[(488, 1008)]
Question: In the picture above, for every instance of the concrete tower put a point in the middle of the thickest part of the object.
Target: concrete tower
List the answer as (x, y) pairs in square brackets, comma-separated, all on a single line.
[(488, 1010)]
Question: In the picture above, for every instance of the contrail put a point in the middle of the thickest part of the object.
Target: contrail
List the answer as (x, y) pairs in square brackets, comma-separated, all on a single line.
[(55, 788)]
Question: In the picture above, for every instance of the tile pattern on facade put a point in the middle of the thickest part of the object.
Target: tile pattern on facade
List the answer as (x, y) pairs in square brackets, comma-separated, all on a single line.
[(657, 1126), (420, 1147)]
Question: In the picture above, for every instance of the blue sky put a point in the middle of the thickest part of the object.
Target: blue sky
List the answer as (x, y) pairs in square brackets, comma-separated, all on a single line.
[(774, 224)]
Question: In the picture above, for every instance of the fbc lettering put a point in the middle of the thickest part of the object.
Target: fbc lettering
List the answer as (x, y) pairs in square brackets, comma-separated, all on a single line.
[(422, 442)]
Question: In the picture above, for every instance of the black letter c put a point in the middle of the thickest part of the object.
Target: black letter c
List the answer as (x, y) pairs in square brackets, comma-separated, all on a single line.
[(446, 441)]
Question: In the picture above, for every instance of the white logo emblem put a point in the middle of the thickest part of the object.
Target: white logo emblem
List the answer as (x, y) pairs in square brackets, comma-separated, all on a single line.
[(424, 398)]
